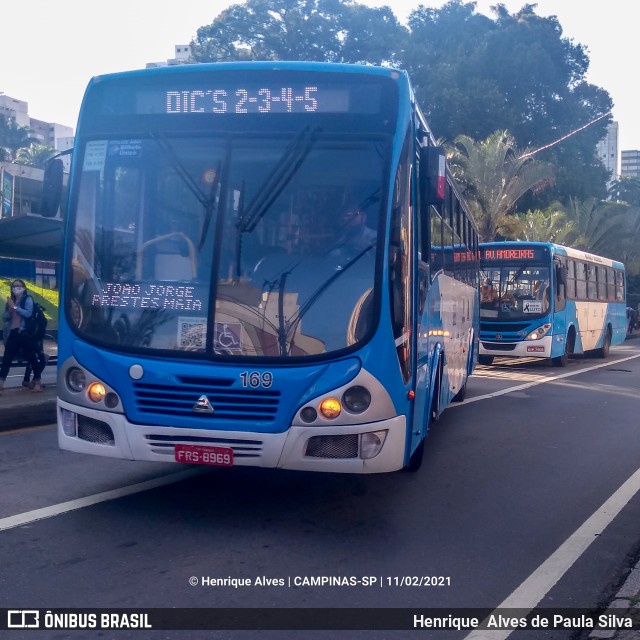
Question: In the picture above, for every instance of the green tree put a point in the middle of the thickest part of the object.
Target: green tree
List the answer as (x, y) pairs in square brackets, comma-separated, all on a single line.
[(626, 189), (550, 225), (600, 227), (311, 30), (494, 175), (13, 138), (36, 155), (517, 72)]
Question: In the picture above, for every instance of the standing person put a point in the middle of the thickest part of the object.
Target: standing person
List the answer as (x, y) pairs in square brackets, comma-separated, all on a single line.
[(19, 307), (43, 358)]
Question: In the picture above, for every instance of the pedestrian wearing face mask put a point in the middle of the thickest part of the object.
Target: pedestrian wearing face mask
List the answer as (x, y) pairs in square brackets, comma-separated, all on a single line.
[(19, 307)]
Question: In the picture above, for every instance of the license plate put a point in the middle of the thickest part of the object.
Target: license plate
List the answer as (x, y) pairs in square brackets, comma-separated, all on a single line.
[(196, 454)]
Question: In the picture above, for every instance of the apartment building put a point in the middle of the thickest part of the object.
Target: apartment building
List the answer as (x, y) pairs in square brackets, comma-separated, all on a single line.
[(630, 164), (608, 152), (182, 56)]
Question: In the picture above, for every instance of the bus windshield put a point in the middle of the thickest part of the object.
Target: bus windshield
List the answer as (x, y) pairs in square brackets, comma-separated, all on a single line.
[(227, 245), (515, 292)]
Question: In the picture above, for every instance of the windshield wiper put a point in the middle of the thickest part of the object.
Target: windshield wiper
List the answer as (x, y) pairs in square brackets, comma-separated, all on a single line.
[(278, 179), (274, 184)]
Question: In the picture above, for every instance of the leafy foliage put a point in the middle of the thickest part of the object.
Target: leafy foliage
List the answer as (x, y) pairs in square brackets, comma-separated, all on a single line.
[(36, 155), (550, 225), (494, 176), (517, 73), (12, 138), (311, 30)]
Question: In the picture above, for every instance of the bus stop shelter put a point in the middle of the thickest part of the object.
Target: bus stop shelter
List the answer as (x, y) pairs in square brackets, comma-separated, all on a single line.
[(31, 237)]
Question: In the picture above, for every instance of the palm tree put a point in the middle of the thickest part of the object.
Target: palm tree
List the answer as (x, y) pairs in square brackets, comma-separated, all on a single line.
[(14, 137), (36, 155), (550, 225), (626, 189), (494, 175), (600, 227)]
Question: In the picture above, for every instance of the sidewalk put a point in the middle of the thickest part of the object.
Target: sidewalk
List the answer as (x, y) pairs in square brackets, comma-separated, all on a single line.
[(625, 602)]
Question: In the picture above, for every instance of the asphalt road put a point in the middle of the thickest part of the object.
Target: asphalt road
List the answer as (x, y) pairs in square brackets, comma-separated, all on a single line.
[(507, 508)]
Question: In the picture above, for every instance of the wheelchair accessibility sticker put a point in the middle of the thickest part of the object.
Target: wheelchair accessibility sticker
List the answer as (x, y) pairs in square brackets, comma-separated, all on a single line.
[(227, 336)]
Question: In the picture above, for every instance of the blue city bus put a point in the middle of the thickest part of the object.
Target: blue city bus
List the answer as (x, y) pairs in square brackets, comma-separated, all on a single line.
[(248, 276), (548, 301)]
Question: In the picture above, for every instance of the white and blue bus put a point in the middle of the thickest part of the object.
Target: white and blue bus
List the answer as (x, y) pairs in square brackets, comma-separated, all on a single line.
[(248, 277), (548, 301)]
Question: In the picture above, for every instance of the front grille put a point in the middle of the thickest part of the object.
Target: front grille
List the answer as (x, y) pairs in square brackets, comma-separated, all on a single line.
[(96, 431), (499, 346), (228, 404), (503, 327), (345, 446), (164, 444)]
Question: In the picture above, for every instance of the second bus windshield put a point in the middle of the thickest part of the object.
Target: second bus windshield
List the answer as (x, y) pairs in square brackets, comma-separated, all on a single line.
[(515, 292)]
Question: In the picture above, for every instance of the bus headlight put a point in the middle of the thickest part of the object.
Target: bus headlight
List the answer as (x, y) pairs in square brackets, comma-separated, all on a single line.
[(356, 399), (539, 333), (76, 379)]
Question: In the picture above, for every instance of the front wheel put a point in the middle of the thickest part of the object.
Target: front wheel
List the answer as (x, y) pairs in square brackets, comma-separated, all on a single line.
[(486, 360), (570, 343)]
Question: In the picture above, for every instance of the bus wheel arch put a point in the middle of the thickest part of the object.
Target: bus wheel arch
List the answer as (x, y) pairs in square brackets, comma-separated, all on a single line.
[(603, 351), (415, 460), (569, 348)]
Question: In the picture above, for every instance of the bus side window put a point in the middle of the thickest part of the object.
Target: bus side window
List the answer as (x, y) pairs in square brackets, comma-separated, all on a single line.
[(436, 242), (571, 280), (611, 285), (619, 286), (560, 276)]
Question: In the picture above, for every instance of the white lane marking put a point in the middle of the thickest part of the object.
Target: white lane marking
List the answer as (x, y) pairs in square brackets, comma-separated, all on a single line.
[(541, 581), (543, 380), (55, 510)]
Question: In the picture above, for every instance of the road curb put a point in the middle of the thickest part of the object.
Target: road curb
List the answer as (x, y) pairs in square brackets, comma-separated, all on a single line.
[(21, 408)]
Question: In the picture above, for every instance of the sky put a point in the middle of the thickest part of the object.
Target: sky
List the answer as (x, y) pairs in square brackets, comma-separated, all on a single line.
[(50, 50)]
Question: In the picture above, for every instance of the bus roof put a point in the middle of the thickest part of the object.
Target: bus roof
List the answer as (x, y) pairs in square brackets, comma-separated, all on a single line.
[(181, 70), (558, 249)]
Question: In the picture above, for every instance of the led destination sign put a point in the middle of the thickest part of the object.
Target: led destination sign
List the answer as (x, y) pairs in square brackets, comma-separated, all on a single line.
[(511, 254), (223, 99), (262, 100), (222, 94)]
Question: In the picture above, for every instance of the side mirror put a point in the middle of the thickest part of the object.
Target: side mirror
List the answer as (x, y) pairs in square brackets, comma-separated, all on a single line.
[(433, 174), (52, 188)]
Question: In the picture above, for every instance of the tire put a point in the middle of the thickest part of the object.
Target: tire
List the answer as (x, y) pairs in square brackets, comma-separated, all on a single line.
[(486, 360), (603, 351), (570, 342)]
